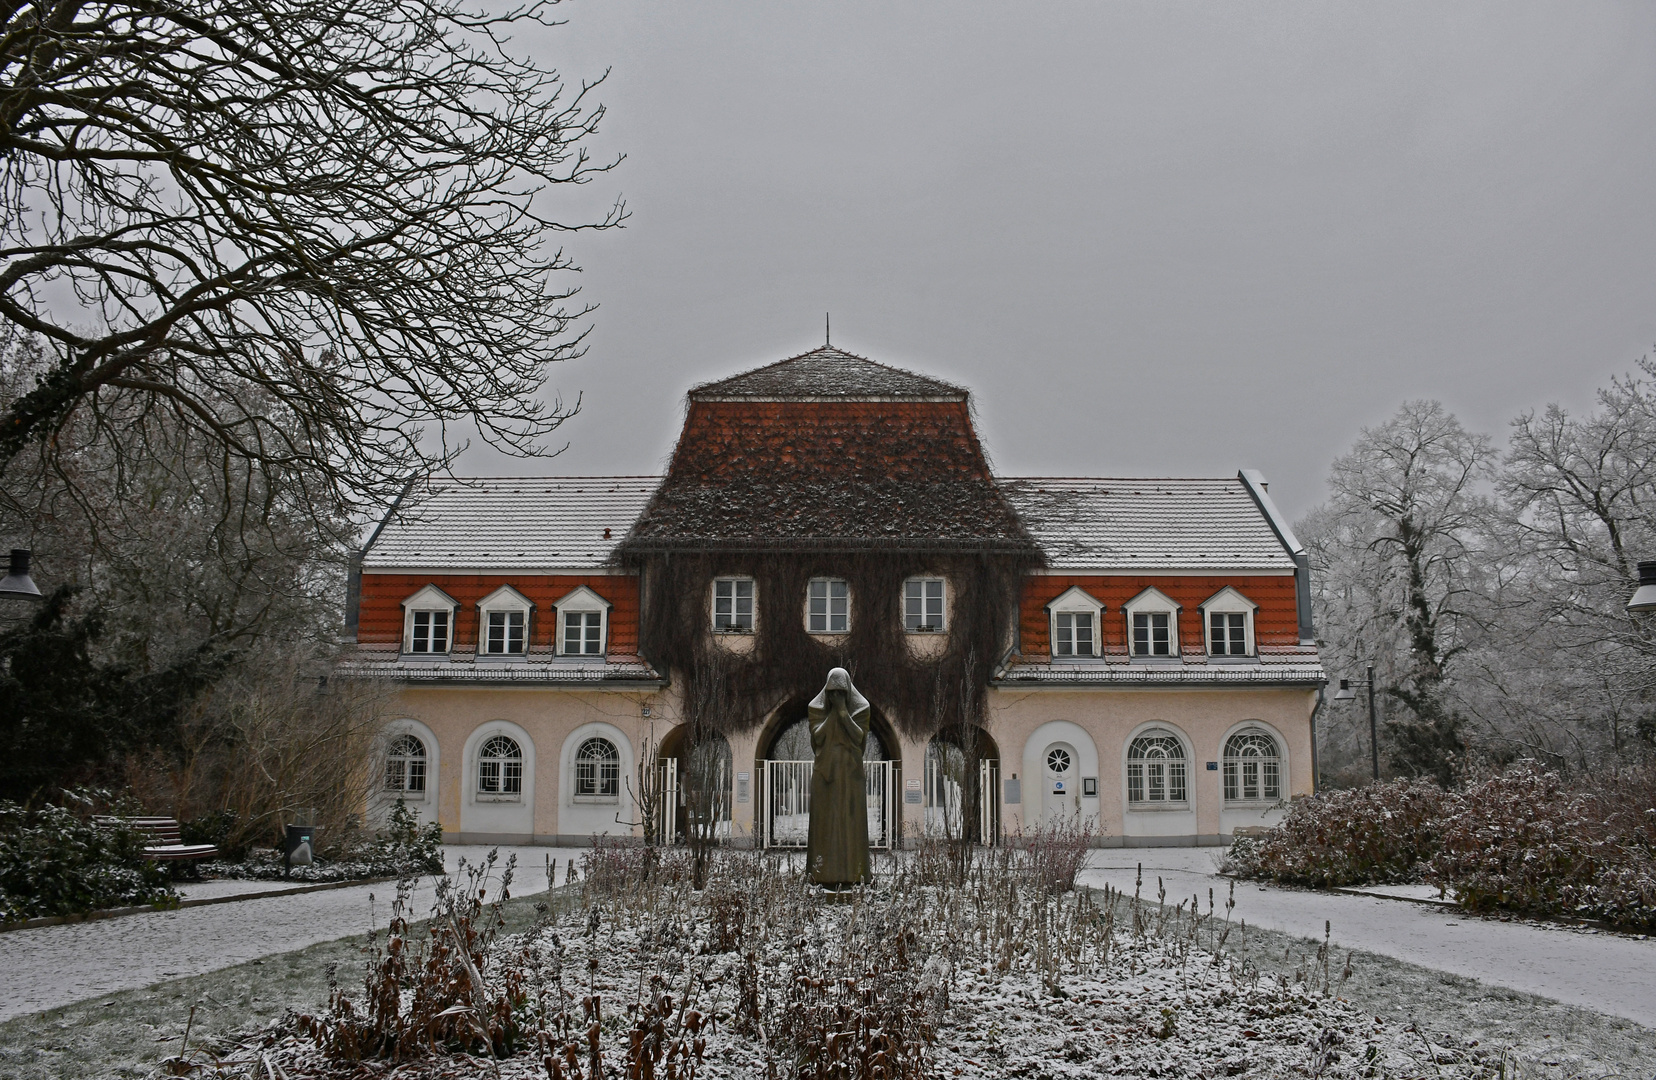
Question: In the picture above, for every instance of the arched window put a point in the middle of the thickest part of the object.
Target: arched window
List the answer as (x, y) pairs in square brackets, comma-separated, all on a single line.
[(499, 767), (1156, 769), (1253, 767), (405, 765), (597, 770)]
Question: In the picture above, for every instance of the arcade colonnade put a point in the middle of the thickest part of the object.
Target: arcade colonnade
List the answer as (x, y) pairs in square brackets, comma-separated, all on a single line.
[(1145, 767)]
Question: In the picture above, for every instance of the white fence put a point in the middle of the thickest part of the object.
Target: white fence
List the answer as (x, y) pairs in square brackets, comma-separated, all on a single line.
[(785, 808)]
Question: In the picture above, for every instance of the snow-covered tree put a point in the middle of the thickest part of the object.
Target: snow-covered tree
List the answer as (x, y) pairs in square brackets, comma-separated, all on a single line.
[(1401, 572)]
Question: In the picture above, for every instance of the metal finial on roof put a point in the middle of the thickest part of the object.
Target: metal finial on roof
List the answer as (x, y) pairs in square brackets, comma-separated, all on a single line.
[(827, 330)]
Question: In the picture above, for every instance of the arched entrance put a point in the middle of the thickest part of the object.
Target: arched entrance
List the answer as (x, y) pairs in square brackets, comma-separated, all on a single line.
[(963, 786), (694, 785), (784, 766)]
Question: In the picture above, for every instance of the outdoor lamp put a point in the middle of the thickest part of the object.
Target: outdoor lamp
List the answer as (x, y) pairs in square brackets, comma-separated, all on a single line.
[(1643, 602), (18, 585), (1346, 693)]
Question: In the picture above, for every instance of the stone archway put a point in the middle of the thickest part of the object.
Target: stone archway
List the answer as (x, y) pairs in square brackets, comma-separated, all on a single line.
[(962, 785), (783, 764)]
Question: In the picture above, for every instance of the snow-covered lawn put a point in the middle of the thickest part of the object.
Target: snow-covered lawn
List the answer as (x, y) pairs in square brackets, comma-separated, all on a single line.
[(759, 976)]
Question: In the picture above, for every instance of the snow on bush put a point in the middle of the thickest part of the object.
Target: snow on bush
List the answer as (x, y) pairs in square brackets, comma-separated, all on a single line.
[(1373, 835), (1523, 841), (404, 849), (1526, 842), (54, 863), (759, 975)]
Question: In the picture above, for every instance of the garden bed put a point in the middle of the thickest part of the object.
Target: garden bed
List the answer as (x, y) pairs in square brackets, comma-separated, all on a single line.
[(758, 975)]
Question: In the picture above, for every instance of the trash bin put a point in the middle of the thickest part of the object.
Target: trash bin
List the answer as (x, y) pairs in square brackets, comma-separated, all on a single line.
[(299, 845)]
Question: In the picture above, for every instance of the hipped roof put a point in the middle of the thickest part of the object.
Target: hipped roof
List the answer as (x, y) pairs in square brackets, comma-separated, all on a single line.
[(832, 451)]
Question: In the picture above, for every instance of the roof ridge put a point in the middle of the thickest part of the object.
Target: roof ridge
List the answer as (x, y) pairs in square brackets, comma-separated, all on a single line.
[(775, 371)]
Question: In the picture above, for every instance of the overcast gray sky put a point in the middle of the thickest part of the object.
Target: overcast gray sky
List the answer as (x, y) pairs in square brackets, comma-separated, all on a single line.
[(1152, 238)]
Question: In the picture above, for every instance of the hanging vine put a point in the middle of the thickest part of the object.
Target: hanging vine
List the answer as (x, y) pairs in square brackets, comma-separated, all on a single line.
[(733, 691)]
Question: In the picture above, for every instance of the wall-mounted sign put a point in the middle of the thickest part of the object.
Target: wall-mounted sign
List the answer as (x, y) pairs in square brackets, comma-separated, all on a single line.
[(911, 791), (741, 787), (1089, 787), (1213, 766), (1057, 787), (1014, 792)]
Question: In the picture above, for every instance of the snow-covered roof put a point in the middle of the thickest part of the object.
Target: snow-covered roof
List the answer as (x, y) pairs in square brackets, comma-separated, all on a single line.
[(512, 523), (1275, 666), (367, 663), (1098, 523), (827, 373), (1080, 523)]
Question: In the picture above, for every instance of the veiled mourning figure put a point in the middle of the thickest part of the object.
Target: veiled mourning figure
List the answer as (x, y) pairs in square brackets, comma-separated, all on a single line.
[(837, 851)]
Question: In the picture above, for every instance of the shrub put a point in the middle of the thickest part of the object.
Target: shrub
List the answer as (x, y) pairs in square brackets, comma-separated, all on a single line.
[(1528, 843), (404, 849), (54, 863), (1057, 850), (1380, 834)]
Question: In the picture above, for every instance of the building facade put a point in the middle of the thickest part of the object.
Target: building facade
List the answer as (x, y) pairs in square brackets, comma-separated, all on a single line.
[(582, 655)]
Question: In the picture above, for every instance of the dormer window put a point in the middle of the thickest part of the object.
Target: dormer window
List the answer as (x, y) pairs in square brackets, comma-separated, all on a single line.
[(1229, 619), (733, 606), (1152, 625), (1076, 620), (503, 619), (828, 610), (583, 623), (428, 622), (923, 605)]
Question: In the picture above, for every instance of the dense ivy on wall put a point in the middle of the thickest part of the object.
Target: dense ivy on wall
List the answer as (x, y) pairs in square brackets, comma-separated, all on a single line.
[(733, 691)]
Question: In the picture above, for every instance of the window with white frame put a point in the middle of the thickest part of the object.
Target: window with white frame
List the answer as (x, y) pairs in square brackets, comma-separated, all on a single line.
[(583, 622), (1253, 768), (405, 765), (503, 618), (597, 771), (431, 632), (428, 622), (1076, 622), (1152, 625), (923, 604), (583, 633), (828, 606), (1228, 617), (500, 767), (733, 605), (504, 632), (1156, 772)]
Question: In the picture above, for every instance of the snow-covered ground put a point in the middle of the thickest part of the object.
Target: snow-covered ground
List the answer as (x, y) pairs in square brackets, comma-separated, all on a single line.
[(1614, 974), (1606, 972), (56, 965)]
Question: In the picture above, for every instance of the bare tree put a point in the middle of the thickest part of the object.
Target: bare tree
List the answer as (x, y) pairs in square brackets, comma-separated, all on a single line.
[(308, 232), (1581, 498), (1398, 551)]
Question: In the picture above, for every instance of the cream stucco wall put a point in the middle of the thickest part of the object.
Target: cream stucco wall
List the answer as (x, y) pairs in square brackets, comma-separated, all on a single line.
[(1096, 724), (552, 721), (1202, 717)]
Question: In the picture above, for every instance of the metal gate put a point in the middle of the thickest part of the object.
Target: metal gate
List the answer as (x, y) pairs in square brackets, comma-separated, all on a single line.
[(669, 809), (785, 803), (989, 802), (946, 801)]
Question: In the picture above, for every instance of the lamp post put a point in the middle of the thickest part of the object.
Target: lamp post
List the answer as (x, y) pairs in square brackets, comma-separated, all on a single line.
[(17, 584), (1643, 601), (1346, 693)]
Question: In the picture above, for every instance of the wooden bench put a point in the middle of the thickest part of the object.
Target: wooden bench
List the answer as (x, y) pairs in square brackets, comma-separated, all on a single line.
[(168, 839)]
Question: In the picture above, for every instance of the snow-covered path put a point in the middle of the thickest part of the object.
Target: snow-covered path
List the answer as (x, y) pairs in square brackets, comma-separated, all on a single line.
[(1609, 973), (57, 965)]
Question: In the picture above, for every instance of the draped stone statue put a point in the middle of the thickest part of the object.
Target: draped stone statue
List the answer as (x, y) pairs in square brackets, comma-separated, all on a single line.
[(837, 851)]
